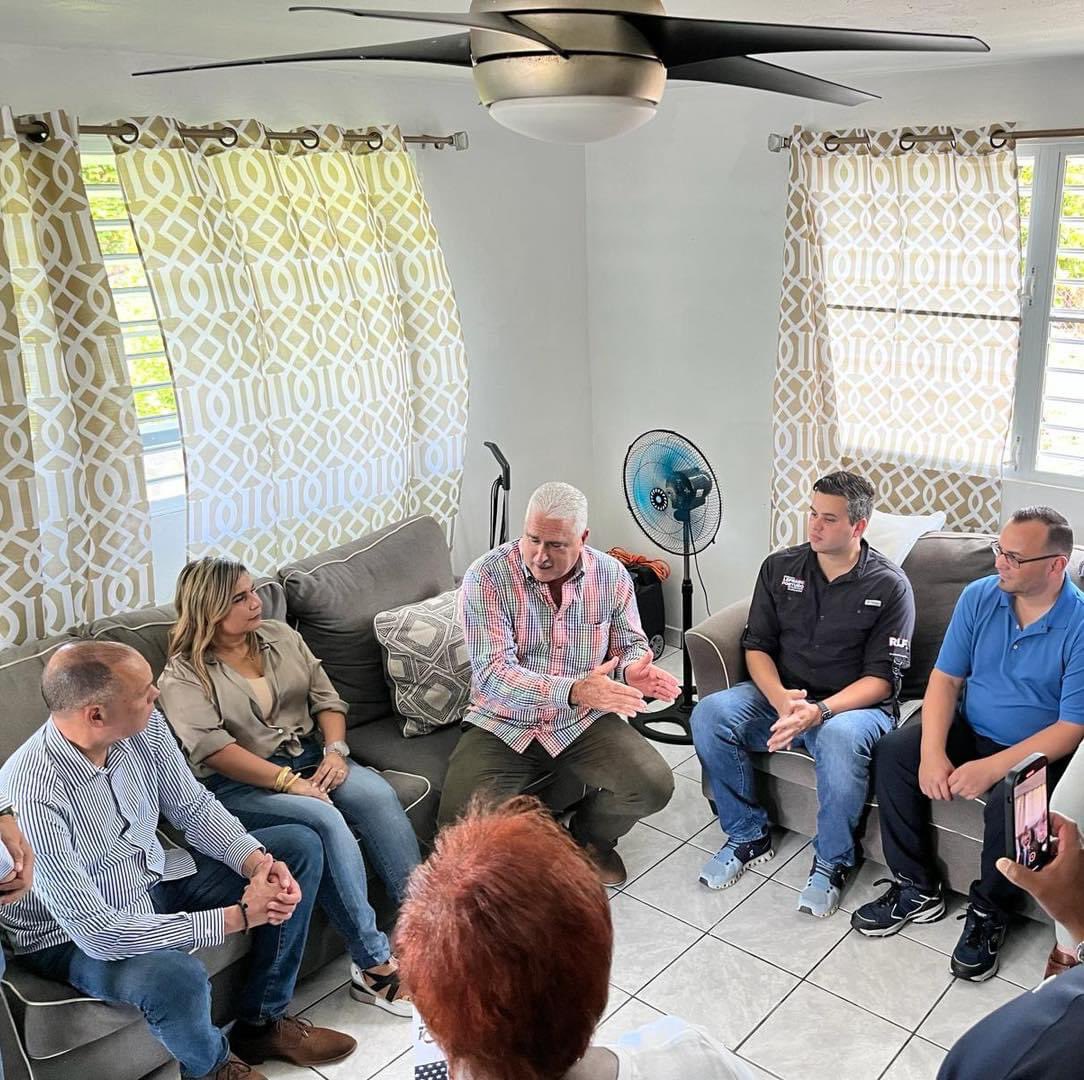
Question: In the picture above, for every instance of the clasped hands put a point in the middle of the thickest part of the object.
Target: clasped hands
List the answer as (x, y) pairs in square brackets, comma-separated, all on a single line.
[(272, 894), (796, 715), (938, 778), (642, 680)]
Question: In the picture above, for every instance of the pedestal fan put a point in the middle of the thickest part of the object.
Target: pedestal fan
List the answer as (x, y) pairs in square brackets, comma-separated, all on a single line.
[(672, 495)]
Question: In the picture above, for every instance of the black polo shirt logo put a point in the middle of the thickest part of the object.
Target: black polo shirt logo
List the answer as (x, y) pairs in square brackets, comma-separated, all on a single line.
[(793, 584)]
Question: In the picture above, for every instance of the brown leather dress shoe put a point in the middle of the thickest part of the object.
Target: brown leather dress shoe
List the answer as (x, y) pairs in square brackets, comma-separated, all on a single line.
[(291, 1039), (235, 1069), (1058, 962), (610, 867)]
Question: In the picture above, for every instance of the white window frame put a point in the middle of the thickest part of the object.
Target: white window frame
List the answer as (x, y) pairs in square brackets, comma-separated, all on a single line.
[(1036, 294), (156, 433)]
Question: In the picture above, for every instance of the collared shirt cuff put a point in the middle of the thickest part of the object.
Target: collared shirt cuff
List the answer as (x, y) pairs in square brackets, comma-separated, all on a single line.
[(240, 850), (208, 928), (619, 671), (559, 694)]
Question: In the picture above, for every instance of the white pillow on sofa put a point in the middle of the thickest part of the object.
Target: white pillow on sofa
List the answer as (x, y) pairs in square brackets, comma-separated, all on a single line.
[(893, 535)]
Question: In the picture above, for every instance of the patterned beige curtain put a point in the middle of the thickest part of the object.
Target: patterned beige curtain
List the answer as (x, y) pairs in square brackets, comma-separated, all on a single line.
[(311, 330), (74, 520), (898, 324)]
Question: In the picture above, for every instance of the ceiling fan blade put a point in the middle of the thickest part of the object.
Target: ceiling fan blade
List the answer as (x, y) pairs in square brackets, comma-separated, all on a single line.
[(452, 49), (743, 71), (480, 20), (678, 40)]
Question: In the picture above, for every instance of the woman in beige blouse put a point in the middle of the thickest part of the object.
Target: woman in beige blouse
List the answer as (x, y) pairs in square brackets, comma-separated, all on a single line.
[(265, 730)]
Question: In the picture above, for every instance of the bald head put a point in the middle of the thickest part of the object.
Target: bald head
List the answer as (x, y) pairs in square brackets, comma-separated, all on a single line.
[(86, 673)]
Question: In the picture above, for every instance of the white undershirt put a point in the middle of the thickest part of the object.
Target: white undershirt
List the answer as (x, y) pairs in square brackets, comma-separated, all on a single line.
[(670, 1049)]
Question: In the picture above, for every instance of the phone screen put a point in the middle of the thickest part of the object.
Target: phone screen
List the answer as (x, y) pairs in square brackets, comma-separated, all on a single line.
[(1031, 820)]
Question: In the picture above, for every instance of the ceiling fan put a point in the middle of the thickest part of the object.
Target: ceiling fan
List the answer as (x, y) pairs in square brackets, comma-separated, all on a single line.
[(575, 71)]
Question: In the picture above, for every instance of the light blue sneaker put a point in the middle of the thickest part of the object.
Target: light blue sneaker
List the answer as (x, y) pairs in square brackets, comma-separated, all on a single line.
[(732, 860), (820, 897)]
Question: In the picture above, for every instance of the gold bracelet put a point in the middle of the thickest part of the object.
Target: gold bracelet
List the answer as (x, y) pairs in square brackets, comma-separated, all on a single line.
[(294, 777), (281, 777)]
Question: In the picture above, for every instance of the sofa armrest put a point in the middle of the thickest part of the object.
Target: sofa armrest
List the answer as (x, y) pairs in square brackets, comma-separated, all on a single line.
[(715, 650)]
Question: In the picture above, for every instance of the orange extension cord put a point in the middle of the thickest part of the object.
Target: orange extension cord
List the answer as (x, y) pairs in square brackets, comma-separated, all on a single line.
[(660, 566)]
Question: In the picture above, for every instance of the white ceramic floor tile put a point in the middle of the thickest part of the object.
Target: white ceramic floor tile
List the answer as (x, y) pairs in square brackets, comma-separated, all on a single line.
[(674, 753), (813, 1032), (894, 977), (1025, 952), (710, 838), (281, 1070), (318, 985), (691, 768), (963, 1006), (642, 847), (381, 1036), (172, 1071), (617, 998), (756, 1071), (686, 813), (402, 1068), (674, 886), (645, 941), (632, 1015), (918, 1060), (770, 926), (719, 987)]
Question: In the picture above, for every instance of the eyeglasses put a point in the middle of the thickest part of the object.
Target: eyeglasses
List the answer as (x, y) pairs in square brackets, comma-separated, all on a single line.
[(1015, 561)]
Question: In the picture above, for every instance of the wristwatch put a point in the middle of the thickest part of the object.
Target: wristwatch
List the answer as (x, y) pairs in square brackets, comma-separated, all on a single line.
[(1080, 953), (8, 810), (826, 713), (337, 747)]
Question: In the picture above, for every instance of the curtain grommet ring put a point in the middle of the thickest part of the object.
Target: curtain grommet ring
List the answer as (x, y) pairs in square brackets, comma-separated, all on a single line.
[(999, 139), (310, 139), (831, 143), (374, 140), (129, 133), (229, 137), (40, 134), (907, 141)]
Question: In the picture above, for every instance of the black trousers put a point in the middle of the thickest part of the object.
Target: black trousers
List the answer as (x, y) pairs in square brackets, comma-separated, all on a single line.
[(905, 812)]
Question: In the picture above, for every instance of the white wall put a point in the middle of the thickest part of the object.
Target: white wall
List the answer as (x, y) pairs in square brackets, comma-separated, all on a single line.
[(685, 231), (511, 218)]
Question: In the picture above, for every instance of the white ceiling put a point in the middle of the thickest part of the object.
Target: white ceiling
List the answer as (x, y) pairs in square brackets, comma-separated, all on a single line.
[(218, 29)]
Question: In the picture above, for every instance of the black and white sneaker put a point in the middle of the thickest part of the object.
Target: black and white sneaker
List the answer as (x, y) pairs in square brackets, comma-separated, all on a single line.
[(975, 957), (902, 902)]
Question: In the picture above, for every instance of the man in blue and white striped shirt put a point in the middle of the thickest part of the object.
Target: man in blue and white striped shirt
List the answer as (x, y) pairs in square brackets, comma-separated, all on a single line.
[(115, 913)]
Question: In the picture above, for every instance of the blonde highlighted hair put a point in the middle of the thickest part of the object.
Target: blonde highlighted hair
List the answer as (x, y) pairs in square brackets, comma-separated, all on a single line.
[(203, 599)]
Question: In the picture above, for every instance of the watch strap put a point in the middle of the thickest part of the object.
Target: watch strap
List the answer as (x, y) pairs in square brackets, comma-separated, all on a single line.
[(338, 746)]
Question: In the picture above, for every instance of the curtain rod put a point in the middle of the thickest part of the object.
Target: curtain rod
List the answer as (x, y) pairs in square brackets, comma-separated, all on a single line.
[(908, 140), (38, 131)]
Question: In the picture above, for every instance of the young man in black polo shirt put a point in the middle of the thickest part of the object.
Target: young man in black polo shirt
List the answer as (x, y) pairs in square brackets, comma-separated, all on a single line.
[(828, 635)]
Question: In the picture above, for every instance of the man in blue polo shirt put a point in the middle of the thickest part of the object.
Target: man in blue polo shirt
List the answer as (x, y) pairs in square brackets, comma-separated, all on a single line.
[(1015, 648)]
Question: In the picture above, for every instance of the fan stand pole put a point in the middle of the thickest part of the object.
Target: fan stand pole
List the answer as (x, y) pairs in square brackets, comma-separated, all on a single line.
[(677, 714)]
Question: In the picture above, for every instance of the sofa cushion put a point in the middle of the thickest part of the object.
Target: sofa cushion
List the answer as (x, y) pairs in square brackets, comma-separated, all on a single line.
[(939, 566), (56, 1018), (333, 597), (427, 663), (20, 690)]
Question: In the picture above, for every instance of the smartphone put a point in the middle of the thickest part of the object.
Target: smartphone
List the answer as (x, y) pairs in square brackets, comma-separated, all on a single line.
[(1027, 813)]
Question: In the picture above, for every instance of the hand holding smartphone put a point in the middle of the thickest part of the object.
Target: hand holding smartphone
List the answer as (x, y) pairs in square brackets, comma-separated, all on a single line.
[(1027, 813)]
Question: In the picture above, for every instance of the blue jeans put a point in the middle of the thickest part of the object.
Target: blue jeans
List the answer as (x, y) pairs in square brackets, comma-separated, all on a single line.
[(728, 724), (364, 804), (170, 987)]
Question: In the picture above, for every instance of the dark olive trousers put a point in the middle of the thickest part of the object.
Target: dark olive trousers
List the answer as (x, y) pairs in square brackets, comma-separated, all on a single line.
[(626, 777)]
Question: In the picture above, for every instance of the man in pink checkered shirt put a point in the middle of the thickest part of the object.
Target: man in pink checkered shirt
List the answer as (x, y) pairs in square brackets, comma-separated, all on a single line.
[(558, 658)]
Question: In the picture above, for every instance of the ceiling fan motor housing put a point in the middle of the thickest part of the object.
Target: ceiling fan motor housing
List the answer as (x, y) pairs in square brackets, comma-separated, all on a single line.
[(607, 57)]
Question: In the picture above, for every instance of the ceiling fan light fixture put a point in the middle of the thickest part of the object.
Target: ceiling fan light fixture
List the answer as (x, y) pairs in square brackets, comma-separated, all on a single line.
[(575, 119)]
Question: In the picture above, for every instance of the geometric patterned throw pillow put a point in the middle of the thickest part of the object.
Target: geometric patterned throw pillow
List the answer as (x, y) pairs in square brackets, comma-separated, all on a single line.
[(426, 660)]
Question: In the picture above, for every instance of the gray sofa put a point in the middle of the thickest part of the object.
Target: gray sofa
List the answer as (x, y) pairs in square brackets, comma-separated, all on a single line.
[(48, 1031), (938, 566)]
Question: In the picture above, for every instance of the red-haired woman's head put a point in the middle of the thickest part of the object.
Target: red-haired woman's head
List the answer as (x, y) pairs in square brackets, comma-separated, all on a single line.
[(505, 942)]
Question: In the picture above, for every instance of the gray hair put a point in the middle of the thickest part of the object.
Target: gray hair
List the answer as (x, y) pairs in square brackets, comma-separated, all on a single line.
[(561, 501), (84, 673)]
